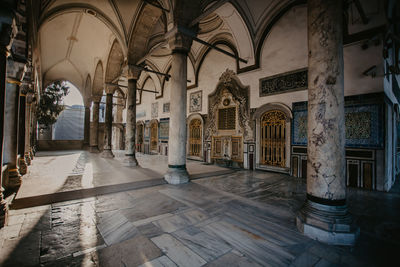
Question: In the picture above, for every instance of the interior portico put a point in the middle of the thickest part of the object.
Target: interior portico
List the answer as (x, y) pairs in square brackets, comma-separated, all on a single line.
[(219, 127)]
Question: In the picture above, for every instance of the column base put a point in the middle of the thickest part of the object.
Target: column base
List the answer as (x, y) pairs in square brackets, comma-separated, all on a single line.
[(94, 149), (28, 158), (107, 153), (23, 167), (14, 179), (130, 161), (329, 224), (177, 174), (3, 212), (3, 208)]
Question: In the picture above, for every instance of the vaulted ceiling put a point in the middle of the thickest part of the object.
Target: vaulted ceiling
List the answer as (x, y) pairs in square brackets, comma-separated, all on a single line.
[(74, 36)]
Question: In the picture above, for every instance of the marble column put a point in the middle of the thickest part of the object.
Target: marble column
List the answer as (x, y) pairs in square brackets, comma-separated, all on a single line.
[(324, 215), (28, 118), (94, 135), (130, 138), (11, 135), (23, 167), (180, 46), (86, 128), (107, 152), (3, 62), (33, 127)]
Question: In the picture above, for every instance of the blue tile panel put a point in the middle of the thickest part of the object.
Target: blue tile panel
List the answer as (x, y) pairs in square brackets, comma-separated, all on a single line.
[(364, 125)]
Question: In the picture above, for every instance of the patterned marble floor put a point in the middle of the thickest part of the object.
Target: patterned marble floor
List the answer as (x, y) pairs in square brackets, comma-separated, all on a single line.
[(239, 219)]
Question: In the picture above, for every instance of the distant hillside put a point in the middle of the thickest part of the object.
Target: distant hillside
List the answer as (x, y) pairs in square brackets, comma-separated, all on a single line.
[(70, 124)]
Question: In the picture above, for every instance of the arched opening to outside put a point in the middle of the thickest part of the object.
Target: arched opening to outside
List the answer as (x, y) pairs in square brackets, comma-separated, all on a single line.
[(69, 123)]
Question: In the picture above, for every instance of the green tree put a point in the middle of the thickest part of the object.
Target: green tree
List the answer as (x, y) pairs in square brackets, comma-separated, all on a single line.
[(50, 104)]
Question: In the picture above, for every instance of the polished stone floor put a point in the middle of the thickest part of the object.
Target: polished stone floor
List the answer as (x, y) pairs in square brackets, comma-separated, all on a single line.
[(240, 218)]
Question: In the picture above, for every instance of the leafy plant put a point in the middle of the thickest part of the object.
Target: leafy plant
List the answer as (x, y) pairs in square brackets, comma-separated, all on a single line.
[(50, 104)]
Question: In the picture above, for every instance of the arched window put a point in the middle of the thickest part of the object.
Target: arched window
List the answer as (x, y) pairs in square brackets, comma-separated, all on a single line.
[(273, 136)]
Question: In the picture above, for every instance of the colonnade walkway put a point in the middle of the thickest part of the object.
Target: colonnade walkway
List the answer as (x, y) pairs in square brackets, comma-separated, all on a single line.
[(78, 209)]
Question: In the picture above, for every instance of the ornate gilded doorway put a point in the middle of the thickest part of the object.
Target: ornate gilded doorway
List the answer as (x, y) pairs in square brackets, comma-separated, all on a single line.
[(195, 138), (154, 136), (273, 138)]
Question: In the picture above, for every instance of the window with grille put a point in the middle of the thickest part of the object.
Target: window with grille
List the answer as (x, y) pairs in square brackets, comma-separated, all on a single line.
[(227, 118)]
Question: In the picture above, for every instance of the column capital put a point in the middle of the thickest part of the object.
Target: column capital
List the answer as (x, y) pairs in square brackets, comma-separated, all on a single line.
[(177, 41), (96, 98), (87, 101), (133, 72), (110, 89)]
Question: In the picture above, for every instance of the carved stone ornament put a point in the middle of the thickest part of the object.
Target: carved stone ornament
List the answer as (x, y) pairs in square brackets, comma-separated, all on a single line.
[(195, 101), (229, 86), (227, 76)]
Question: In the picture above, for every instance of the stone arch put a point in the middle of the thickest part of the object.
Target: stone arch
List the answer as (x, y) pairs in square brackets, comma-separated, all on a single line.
[(98, 80), (86, 8), (218, 40), (257, 116), (190, 118), (273, 106), (114, 62), (267, 29), (234, 16), (144, 78), (141, 33)]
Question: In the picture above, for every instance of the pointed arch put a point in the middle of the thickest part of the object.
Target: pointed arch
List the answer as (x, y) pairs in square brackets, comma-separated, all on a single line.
[(141, 32), (115, 62), (85, 8), (98, 80)]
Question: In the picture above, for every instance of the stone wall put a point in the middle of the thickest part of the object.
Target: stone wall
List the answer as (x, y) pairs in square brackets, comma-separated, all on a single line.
[(52, 145)]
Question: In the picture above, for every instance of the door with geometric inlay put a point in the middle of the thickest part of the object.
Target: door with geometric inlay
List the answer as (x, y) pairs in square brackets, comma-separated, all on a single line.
[(273, 138), (154, 136), (195, 138)]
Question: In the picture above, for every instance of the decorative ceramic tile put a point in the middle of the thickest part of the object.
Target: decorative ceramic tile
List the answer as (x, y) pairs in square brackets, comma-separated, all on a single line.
[(140, 114), (166, 107), (164, 128), (195, 101), (154, 110), (363, 125)]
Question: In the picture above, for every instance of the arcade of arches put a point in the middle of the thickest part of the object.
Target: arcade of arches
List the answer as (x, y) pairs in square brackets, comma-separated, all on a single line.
[(216, 133)]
